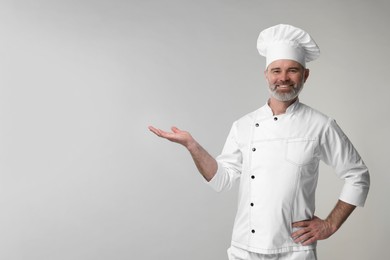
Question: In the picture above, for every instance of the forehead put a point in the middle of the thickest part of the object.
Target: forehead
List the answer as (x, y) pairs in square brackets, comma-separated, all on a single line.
[(284, 64)]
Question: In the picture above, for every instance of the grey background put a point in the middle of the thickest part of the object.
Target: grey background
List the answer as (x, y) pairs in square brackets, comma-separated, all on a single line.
[(81, 177)]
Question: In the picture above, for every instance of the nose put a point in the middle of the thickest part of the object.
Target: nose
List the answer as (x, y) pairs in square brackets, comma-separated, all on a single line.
[(284, 76)]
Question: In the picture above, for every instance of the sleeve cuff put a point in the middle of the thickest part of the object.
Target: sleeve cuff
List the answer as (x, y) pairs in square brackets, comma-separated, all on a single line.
[(221, 180), (355, 195)]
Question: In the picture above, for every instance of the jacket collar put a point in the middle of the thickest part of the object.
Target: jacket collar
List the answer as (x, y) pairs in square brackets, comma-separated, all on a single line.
[(291, 109)]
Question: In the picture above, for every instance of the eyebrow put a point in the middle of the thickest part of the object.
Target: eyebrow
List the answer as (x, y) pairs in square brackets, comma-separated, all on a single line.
[(294, 68), (289, 68)]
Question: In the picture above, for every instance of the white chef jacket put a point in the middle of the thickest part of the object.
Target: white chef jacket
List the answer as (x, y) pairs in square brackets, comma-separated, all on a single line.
[(276, 159)]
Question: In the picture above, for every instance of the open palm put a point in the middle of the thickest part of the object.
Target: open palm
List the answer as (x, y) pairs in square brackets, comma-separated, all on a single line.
[(178, 136)]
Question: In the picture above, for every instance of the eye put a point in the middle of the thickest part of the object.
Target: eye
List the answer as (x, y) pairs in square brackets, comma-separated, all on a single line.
[(294, 70)]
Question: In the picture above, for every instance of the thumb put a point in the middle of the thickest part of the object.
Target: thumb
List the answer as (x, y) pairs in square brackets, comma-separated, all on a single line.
[(175, 129)]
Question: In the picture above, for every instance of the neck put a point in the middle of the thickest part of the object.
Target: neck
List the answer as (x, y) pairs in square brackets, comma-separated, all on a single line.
[(279, 107)]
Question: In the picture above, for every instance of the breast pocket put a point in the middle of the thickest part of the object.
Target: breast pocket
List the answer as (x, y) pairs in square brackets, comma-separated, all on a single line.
[(300, 151)]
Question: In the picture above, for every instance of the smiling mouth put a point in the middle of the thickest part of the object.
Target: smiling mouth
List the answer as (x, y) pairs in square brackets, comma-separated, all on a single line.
[(284, 86)]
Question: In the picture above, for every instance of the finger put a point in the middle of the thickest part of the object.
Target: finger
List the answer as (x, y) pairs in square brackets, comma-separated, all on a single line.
[(175, 129), (303, 238), (309, 241), (158, 132), (164, 134), (154, 130), (300, 224), (300, 233)]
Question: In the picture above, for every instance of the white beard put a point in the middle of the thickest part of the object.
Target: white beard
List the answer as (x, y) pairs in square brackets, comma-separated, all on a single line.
[(287, 96)]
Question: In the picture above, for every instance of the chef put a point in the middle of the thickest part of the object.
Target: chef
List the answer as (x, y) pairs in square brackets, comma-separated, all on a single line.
[(274, 153)]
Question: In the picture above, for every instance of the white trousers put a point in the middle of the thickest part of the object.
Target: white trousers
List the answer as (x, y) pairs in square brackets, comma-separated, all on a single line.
[(235, 253)]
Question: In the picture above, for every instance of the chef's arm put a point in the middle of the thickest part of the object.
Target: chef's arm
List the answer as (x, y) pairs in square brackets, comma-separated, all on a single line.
[(205, 163), (339, 214), (318, 229)]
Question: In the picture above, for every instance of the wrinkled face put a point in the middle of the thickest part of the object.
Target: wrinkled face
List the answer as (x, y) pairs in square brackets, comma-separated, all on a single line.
[(285, 79)]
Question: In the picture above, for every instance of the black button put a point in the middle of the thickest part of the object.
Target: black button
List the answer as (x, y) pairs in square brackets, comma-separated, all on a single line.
[(253, 231), (257, 124), (252, 204), (275, 118), (253, 176), (254, 149)]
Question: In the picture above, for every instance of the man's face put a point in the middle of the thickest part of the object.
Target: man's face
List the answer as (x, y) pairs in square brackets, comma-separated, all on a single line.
[(285, 79)]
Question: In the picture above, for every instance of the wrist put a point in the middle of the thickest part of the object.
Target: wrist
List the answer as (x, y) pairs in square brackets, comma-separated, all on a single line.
[(192, 146), (333, 227)]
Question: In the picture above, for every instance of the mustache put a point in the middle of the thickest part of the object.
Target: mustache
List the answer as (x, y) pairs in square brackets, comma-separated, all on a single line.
[(288, 82)]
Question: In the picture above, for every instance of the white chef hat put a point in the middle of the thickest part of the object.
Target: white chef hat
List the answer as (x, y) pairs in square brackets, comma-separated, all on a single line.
[(284, 41)]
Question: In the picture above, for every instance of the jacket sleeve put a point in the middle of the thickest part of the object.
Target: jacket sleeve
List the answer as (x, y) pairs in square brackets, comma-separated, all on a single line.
[(229, 163), (338, 152)]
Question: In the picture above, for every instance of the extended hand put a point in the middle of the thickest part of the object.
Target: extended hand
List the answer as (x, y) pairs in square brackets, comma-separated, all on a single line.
[(312, 230), (177, 135)]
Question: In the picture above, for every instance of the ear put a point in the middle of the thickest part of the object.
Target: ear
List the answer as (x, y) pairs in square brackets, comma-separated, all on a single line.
[(306, 74)]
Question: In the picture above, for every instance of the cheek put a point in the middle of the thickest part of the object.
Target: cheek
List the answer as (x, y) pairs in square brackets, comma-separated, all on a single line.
[(298, 79), (270, 79), (270, 82)]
